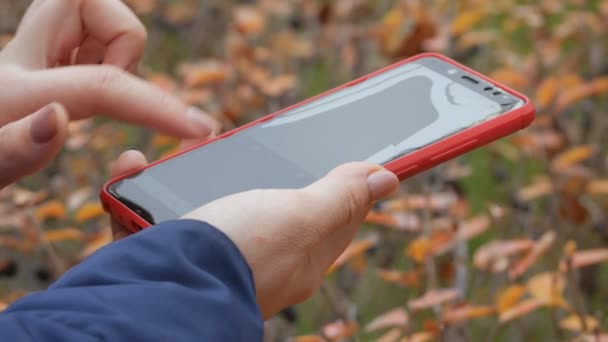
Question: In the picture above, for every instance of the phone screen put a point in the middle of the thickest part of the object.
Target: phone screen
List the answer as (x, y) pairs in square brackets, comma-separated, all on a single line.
[(379, 119)]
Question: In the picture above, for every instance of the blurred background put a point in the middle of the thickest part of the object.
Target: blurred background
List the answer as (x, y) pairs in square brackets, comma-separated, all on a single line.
[(507, 243)]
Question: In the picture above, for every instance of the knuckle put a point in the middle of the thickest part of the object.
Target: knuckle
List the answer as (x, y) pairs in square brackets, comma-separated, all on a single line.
[(352, 205), (107, 77), (165, 100), (139, 32)]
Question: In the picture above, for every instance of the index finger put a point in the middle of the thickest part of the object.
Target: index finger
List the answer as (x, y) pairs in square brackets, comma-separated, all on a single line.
[(88, 90)]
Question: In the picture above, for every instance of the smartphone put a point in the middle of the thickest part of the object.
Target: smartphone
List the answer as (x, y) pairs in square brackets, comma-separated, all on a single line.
[(408, 117)]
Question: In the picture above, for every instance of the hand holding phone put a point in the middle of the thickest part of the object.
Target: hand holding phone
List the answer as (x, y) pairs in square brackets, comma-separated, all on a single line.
[(289, 237)]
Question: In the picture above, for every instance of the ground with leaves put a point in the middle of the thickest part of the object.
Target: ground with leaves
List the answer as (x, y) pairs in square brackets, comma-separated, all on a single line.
[(506, 243)]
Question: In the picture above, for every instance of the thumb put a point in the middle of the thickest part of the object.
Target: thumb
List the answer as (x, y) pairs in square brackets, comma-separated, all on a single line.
[(29, 144), (346, 194)]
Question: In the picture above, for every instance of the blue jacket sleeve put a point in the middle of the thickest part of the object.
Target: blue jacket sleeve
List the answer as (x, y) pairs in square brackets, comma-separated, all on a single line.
[(178, 281)]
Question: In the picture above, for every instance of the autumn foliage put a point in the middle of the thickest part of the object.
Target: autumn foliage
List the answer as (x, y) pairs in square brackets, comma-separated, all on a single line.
[(509, 242)]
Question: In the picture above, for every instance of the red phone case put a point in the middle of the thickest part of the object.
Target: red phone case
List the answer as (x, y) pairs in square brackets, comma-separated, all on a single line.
[(404, 167)]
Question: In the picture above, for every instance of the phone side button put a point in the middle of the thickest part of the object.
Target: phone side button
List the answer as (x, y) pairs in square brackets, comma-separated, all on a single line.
[(455, 151)]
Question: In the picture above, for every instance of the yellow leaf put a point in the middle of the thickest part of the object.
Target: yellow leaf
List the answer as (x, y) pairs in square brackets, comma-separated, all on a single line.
[(204, 74), (569, 248), (521, 309), (171, 152), (162, 141), (400, 221), (180, 12), (508, 298), (359, 263), (22, 197), (51, 210), (474, 227), (540, 141), (436, 201), (419, 249), (391, 336), (547, 287), (505, 149), (465, 313), (104, 238), (404, 221), (89, 211), (465, 21), (510, 77), (541, 187), (475, 38), (194, 97), (573, 95), (434, 297), (424, 336), (354, 249), (249, 20), (278, 85), (570, 80), (64, 234), (397, 317), (493, 256), (586, 258), (600, 85), (572, 156), (575, 323), (539, 248), (407, 278), (381, 218), (340, 330), (598, 187), (393, 19), (546, 92)]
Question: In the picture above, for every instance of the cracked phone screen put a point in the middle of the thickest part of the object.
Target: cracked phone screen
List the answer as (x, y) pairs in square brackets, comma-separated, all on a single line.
[(386, 116)]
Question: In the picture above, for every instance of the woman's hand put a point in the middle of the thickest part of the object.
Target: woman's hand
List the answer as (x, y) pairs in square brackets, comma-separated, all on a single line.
[(290, 237), (67, 62)]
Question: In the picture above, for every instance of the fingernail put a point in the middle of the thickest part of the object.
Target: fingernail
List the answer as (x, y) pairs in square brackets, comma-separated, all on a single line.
[(202, 124), (44, 125), (381, 184)]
